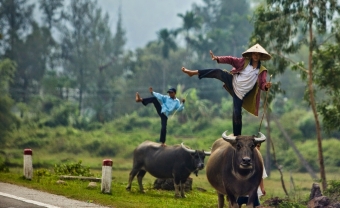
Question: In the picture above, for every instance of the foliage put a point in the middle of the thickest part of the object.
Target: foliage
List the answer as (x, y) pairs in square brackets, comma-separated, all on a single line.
[(303, 126), (31, 69), (327, 73), (288, 204), (3, 166), (41, 173), (8, 120), (166, 38), (309, 151), (87, 30), (284, 27), (74, 169), (225, 25), (202, 195), (333, 190), (51, 12)]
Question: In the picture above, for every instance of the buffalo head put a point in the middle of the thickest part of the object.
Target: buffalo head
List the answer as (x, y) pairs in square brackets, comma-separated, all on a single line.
[(198, 157), (244, 147)]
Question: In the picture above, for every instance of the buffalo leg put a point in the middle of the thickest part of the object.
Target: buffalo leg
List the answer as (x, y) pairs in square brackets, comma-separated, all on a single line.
[(182, 186), (251, 199), (140, 176), (232, 201), (177, 185), (220, 200), (133, 173)]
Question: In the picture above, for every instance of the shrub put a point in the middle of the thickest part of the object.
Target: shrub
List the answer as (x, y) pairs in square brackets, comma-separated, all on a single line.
[(333, 190), (3, 166), (74, 169)]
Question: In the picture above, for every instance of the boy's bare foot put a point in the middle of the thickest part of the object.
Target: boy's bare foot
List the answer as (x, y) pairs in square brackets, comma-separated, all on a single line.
[(189, 72), (163, 144), (138, 98)]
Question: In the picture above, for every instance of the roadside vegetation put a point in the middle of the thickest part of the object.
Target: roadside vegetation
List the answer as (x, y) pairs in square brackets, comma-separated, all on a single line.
[(73, 100), (202, 194), (56, 151)]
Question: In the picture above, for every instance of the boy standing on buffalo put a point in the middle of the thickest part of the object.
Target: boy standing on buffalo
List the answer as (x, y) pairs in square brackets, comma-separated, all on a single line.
[(243, 82), (165, 106)]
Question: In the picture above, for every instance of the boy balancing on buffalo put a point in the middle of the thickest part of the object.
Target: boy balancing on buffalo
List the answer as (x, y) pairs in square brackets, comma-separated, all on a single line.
[(243, 82), (165, 106)]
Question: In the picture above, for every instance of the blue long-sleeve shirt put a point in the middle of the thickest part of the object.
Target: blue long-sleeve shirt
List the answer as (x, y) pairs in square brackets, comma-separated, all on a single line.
[(169, 105)]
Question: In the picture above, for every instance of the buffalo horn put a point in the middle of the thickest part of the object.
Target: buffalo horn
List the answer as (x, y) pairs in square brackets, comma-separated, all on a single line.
[(187, 149), (228, 138), (262, 137), (207, 153)]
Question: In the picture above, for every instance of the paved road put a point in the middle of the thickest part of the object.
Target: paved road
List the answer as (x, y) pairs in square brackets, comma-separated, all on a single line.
[(12, 196), (8, 202)]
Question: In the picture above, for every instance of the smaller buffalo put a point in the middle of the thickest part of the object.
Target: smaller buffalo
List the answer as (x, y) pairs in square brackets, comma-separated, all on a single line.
[(176, 162), (235, 168)]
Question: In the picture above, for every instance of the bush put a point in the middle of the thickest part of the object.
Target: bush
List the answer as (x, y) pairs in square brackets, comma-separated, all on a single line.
[(333, 190), (309, 151), (74, 169), (131, 122), (61, 115), (3, 166)]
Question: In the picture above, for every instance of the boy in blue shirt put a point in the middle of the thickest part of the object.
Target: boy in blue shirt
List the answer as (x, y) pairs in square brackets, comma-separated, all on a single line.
[(165, 106)]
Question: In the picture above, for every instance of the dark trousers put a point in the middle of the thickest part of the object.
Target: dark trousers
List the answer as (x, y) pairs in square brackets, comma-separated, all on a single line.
[(164, 118), (227, 78)]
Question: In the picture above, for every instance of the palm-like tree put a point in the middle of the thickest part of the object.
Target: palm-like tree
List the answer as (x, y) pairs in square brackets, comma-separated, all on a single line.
[(190, 22), (166, 37)]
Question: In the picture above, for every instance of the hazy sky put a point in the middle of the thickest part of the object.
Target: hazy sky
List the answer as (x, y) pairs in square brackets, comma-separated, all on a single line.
[(142, 19)]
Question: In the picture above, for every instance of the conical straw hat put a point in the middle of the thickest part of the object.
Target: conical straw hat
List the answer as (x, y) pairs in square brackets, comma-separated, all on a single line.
[(259, 49)]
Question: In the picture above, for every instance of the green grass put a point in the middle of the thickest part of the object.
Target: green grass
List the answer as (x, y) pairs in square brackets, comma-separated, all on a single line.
[(76, 189), (117, 140)]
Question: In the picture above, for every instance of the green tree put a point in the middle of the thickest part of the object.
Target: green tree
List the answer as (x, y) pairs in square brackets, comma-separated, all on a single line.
[(220, 26), (327, 75), (51, 11), (166, 39), (93, 57), (8, 119), (226, 24), (190, 21), (283, 27), (52, 16), (119, 39), (76, 45), (31, 60), (15, 18), (15, 24)]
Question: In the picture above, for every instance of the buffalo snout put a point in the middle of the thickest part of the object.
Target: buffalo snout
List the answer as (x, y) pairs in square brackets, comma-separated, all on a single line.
[(200, 166), (246, 160)]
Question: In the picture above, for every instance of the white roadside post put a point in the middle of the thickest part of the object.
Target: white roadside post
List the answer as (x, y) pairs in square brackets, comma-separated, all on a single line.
[(106, 176), (28, 167)]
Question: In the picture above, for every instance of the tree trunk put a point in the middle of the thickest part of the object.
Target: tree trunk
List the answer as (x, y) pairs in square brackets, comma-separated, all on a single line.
[(312, 99)]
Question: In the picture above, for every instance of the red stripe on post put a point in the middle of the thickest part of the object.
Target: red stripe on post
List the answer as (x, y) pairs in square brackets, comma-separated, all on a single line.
[(107, 162), (28, 152)]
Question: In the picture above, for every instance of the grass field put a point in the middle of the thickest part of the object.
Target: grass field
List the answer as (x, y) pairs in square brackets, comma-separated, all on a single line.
[(298, 186)]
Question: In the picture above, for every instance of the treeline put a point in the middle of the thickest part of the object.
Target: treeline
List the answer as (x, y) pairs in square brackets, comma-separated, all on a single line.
[(70, 64), (70, 69)]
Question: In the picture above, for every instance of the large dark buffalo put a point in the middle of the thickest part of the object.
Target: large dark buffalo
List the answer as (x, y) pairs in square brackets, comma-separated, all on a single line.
[(235, 168), (176, 162)]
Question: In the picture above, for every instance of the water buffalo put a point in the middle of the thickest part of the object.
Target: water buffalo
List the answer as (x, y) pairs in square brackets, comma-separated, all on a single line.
[(176, 162), (235, 168)]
